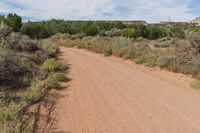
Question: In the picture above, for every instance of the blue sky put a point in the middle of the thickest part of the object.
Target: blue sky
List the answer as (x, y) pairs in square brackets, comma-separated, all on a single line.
[(149, 10)]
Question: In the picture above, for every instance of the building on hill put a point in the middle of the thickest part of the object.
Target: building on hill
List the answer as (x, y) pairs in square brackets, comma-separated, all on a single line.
[(196, 21)]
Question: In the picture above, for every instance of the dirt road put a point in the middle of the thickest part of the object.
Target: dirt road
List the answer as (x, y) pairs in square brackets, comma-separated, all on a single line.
[(108, 95)]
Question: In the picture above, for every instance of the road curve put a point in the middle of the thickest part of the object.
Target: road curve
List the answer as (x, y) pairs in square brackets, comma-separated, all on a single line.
[(108, 95)]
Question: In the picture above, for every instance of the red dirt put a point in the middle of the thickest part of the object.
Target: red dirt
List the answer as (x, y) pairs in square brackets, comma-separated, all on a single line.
[(110, 95)]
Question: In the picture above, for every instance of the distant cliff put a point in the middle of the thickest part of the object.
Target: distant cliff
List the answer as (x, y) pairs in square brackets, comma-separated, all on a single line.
[(196, 21)]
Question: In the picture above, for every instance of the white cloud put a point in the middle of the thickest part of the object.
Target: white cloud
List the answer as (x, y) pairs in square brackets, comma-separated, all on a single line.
[(150, 10)]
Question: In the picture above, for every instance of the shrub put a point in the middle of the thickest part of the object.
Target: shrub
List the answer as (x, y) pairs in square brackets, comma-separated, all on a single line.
[(177, 32), (63, 66), (162, 44), (140, 60), (51, 49), (150, 59), (10, 115), (198, 76), (195, 29), (2, 98), (54, 78), (128, 53), (164, 39), (113, 32), (21, 43), (11, 112), (164, 61), (107, 50), (35, 92), (129, 32), (187, 54), (195, 84), (117, 50), (140, 39), (20, 58), (19, 69), (50, 65), (155, 32)]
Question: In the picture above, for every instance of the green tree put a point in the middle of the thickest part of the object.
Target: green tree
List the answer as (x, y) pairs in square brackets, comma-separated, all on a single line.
[(141, 30), (129, 32), (92, 30), (14, 21), (177, 32), (2, 19), (156, 32), (31, 29)]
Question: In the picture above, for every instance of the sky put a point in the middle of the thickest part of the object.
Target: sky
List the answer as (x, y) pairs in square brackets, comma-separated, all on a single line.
[(148, 10)]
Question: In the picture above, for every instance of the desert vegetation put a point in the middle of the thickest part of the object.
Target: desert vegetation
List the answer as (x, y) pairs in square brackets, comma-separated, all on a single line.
[(28, 70), (153, 45), (29, 67), (178, 54)]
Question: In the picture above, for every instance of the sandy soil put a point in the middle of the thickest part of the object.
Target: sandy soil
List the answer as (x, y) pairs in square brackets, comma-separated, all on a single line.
[(110, 95)]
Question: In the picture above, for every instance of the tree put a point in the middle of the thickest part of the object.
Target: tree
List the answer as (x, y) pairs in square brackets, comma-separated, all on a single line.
[(14, 21), (177, 32), (92, 30), (129, 32), (31, 29), (2, 19), (141, 30), (156, 32)]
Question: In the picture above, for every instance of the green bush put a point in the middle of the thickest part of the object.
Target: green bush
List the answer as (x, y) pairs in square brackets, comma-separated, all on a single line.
[(35, 92), (165, 60), (48, 47), (107, 50), (177, 32), (128, 53), (50, 65), (195, 29), (140, 60), (140, 39), (63, 66), (150, 60), (11, 112), (195, 84), (117, 50), (10, 115), (198, 76), (156, 32), (2, 98), (54, 79), (129, 32)]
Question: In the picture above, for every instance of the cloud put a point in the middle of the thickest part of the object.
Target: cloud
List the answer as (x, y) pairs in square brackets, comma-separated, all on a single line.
[(150, 10)]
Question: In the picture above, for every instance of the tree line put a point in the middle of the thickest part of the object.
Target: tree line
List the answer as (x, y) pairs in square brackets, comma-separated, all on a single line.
[(45, 29)]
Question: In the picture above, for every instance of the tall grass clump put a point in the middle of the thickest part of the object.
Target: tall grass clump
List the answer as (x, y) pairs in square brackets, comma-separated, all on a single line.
[(10, 114), (2, 98), (50, 65), (54, 79), (35, 92)]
